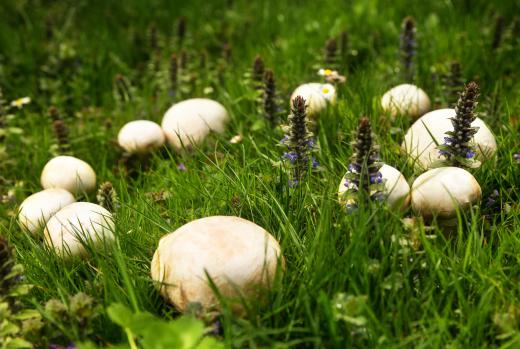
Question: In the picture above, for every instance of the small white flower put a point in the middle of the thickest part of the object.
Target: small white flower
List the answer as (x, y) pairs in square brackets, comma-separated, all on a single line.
[(328, 91), (20, 102), (326, 72), (208, 90), (236, 139)]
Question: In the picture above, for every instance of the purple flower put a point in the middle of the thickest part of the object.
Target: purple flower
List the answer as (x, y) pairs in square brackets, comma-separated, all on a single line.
[(444, 152), (470, 154), (290, 156), (516, 157), (377, 178), (181, 167), (311, 143), (315, 162), (284, 139), (353, 168), (448, 140)]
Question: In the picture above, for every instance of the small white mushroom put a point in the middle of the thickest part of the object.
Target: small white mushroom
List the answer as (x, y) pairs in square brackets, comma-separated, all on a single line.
[(240, 257), (140, 136), (440, 191), (317, 96), (38, 208), (406, 99), (78, 224), (188, 122), (396, 186), (422, 149), (69, 173)]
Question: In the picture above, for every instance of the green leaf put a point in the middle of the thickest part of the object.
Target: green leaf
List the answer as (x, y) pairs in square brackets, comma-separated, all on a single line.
[(18, 343)]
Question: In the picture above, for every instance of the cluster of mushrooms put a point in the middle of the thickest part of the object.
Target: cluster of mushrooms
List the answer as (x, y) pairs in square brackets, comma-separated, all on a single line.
[(440, 192), (240, 258)]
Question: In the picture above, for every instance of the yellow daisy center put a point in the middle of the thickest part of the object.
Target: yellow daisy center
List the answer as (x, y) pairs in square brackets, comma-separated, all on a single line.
[(327, 72), (325, 90)]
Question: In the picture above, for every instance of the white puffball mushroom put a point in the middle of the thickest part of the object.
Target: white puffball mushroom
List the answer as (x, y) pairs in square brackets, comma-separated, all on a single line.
[(240, 257), (39, 207), (440, 191), (78, 224), (188, 122), (140, 136), (422, 149), (69, 173), (317, 96), (396, 186), (406, 99)]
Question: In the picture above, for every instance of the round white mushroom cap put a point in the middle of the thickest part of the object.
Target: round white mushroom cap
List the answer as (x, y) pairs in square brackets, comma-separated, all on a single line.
[(69, 173), (422, 149), (406, 99), (189, 122), (440, 191), (78, 224), (38, 208), (396, 186), (240, 257), (317, 96), (140, 136)]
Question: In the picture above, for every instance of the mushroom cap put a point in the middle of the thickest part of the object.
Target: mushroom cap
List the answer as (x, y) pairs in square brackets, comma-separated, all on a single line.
[(406, 99), (421, 148), (189, 122), (316, 95), (239, 256), (69, 173), (440, 191), (397, 188), (78, 224), (140, 136), (38, 208)]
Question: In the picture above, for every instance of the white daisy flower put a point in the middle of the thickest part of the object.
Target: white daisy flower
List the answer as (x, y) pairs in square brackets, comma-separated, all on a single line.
[(20, 102)]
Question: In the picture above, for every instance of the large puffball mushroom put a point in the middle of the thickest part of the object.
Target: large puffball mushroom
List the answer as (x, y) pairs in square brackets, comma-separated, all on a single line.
[(38, 208), (441, 191), (78, 224), (69, 173), (396, 187), (140, 136), (421, 139), (240, 257), (406, 99), (317, 96), (188, 122)]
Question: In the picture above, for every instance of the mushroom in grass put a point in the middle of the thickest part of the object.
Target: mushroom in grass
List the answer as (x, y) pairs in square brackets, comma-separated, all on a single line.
[(396, 188), (69, 173), (187, 123), (38, 208), (407, 100), (317, 95), (240, 258), (441, 191), (77, 225), (140, 136)]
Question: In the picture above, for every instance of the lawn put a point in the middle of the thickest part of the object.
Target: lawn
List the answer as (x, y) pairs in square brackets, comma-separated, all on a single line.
[(353, 278)]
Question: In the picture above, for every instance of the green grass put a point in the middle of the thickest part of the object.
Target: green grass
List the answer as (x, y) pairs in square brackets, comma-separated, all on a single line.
[(444, 294)]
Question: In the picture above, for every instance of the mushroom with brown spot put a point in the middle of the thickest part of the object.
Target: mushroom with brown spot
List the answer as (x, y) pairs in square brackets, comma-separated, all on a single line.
[(240, 257)]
